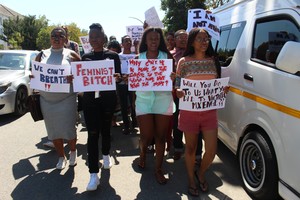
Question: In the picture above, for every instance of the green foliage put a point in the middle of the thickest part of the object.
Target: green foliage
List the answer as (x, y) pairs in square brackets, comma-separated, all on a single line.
[(43, 38), (16, 40), (74, 32), (215, 3), (22, 32), (176, 12), (34, 33)]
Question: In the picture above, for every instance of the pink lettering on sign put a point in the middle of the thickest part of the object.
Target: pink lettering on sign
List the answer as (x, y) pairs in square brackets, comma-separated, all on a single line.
[(148, 73), (97, 80)]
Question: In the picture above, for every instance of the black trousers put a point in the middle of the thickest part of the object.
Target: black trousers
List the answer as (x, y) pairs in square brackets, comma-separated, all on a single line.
[(98, 116), (177, 134), (125, 96)]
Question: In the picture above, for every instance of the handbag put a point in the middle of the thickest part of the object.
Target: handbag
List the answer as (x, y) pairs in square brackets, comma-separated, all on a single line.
[(34, 106)]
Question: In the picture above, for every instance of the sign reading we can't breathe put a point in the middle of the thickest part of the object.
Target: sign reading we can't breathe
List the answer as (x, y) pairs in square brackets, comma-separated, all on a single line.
[(201, 95), (50, 78)]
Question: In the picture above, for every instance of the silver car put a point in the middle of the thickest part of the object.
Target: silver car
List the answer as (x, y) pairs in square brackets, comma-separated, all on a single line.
[(15, 66)]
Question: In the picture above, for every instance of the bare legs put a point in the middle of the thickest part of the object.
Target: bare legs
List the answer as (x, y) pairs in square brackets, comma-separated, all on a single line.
[(153, 125), (191, 140), (59, 146), (210, 142)]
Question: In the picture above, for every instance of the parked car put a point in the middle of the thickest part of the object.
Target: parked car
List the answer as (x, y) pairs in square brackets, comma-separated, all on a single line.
[(259, 50), (15, 68)]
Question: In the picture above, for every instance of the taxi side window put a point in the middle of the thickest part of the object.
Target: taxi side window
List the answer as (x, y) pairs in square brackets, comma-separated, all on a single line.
[(270, 36), (229, 38)]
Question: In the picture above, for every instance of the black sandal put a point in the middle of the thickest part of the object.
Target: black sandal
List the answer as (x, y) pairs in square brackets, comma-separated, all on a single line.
[(202, 185), (142, 161), (193, 191), (160, 178)]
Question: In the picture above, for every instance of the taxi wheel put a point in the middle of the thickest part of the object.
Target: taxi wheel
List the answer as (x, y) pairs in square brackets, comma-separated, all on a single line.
[(258, 166)]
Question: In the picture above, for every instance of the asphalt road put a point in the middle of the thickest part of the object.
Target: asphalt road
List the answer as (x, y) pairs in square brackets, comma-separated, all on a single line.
[(27, 169)]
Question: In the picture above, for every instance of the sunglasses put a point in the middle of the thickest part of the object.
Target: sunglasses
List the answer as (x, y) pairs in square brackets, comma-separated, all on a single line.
[(202, 40), (57, 37)]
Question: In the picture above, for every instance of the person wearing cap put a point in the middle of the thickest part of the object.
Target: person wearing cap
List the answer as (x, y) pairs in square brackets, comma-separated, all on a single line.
[(98, 108), (59, 109)]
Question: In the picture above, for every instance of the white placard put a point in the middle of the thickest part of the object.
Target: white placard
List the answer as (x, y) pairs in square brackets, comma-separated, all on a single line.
[(150, 74), (135, 32), (50, 78), (201, 95), (93, 75), (84, 40), (124, 62), (200, 18), (152, 18)]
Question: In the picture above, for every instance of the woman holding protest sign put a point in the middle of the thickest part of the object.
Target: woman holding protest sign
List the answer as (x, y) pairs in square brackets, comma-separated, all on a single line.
[(98, 108), (198, 63), (59, 109), (154, 109)]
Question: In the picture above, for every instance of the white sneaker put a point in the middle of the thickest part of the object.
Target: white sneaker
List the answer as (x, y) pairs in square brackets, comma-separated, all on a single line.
[(49, 144), (72, 158), (62, 161), (107, 162), (94, 182)]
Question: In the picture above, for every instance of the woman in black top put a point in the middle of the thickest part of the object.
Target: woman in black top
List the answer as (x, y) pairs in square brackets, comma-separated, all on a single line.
[(98, 108)]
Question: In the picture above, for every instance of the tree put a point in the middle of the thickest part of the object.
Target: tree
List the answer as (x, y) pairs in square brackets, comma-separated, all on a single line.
[(12, 30), (43, 38), (33, 33), (215, 3), (176, 12), (74, 32), (22, 32), (16, 40)]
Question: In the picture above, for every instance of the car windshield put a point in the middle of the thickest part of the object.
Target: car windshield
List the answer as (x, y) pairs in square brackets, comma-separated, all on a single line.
[(12, 61)]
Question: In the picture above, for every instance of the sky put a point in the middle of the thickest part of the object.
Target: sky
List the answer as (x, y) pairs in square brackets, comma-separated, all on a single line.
[(113, 15)]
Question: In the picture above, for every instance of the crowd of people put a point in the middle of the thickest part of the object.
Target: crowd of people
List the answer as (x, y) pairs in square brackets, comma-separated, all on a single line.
[(156, 113)]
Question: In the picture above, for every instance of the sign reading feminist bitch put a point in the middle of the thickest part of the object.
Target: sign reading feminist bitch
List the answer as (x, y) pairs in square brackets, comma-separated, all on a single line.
[(93, 75), (50, 78), (150, 74), (201, 95)]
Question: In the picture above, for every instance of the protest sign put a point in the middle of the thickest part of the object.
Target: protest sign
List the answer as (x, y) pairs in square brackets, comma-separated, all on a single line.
[(93, 75), (150, 75), (135, 32), (200, 18), (84, 40), (124, 62), (50, 78), (201, 95), (152, 18)]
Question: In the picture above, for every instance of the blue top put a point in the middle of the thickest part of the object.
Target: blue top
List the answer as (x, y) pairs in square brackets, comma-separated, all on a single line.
[(154, 102)]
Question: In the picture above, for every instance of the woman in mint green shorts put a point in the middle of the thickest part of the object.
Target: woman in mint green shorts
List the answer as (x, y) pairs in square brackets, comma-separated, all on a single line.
[(154, 109)]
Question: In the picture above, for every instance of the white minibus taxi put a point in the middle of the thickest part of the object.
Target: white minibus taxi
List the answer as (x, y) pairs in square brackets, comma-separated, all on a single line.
[(259, 49)]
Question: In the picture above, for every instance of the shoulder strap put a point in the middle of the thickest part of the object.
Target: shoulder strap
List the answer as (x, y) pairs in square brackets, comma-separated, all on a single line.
[(39, 56)]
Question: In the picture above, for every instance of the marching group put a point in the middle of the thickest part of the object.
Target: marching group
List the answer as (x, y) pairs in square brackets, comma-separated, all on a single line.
[(156, 113)]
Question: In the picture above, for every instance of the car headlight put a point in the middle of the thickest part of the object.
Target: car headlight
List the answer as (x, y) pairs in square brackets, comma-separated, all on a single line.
[(4, 87)]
